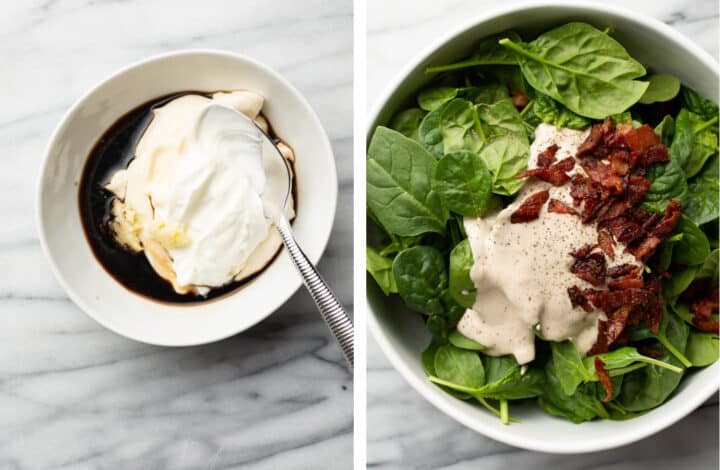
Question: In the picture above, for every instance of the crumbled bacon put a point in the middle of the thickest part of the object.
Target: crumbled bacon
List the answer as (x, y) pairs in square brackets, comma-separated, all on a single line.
[(622, 270), (604, 377), (606, 244), (519, 99), (627, 282), (560, 207), (547, 156), (646, 350), (609, 331), (583, 251), (578, 299), (530, 208), (591, 269)]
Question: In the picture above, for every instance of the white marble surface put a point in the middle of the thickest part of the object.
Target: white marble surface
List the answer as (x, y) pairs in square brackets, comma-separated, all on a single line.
[(405, 431), (73, 395)]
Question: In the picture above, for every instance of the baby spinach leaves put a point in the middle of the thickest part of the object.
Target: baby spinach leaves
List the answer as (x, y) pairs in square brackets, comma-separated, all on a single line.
[(702, 204), (407, 122), (380, 268), (569, 367), (506, 156), (458, 340), (702, 348), (399, 189), (458, 127), (488, 52), (581, 67), (461, 287), (661, 87), (432, 98), (694, 142), (459, 366), (703, 107), (694, 247), (421, 278), (463, 182), (552, 112)]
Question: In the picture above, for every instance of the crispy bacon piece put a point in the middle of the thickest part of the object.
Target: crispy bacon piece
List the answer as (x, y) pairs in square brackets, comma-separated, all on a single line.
[(591, 269), (606, 244), (646, 350), (597, 132), (622, 270), (530, 208), (519, 99), (560, 207), (646, 248), (624, 229), (669, 221), (556, 178), (583, 251), (609, 301), (578, 299), (604, 377), (704, 308), (547, 156), (603, 174), (628, 282), (609, 331), (656, 154), (641, 139)]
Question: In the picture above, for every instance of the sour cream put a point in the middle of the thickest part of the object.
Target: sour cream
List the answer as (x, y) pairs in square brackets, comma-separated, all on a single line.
[(192, 198), (522, 271)]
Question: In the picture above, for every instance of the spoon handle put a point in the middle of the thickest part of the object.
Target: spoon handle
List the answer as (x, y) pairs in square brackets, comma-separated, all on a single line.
[(332, 312)]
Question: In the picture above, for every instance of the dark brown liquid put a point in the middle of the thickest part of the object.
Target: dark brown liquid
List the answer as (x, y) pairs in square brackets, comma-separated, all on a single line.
[(114, 151)]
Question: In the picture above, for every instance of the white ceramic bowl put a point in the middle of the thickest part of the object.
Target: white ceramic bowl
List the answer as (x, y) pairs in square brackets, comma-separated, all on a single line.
[(402, 335), (62, 237)]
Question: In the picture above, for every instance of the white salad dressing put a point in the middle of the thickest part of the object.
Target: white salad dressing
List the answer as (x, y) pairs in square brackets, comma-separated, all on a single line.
[(522, 271)]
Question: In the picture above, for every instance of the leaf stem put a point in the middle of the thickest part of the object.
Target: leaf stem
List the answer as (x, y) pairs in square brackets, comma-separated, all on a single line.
[(668, 345), (664, 365), (454, 386), (625, 370), (504, 412)]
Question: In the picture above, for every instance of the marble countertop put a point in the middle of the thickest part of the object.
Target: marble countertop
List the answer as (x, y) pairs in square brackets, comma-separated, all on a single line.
[(74, 395), (399, 434)]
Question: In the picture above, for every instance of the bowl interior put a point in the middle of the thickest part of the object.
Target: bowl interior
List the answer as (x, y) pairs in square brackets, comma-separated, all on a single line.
[(86, 281), (401, 333)]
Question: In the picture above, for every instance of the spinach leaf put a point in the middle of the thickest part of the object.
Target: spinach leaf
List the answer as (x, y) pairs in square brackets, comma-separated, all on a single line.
[(428, 362), (703, 107), (443, 323), (702, 348), (694, 142), (462, 288), (581, 67), (458, 127), (457, 339), (552, 112), (432, 98), (407, 123), (506, 156), (650, 386), (702, 202), (694, 247), (380, 268), (464, 183), (569, 366), (622, 118), (421, 278), (620, 359), (430, 135), (676, 285), (583, 405), (399, 191), (459, 366), (488, 52), (665, 130), (662, 87), (709, 268), (500, 118), (511, 385), (484, 93), (667, 182)]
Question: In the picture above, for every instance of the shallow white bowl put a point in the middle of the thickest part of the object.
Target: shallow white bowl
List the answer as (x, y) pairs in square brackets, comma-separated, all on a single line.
[(61, 233), (402, 335)]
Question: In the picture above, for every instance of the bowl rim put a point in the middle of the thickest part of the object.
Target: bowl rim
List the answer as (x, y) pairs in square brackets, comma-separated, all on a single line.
[(274, 303), (428, 391)]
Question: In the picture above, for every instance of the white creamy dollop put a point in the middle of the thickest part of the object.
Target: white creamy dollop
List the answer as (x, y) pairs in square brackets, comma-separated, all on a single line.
[(192, 198), (522, 271)]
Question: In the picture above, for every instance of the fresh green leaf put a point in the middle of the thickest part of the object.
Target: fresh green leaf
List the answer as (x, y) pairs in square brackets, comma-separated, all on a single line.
[(485, 93), (665, 130), (380, 268), (501, 118), (694, 247), (694, 142), (583, 405), (581, 67), (709, 268), (662, 87), (702, 201), (459, 366), (702, 348), (457, 339), (462, 288), (703, 107), (459, 129), (622, 358), (667, 182), (399, 191), (432, 98), (506, 156), (676, 285), (488, 52), (430, 135), (421, 278), (552, 112), (464, 183), (407, 123), (569, 366)]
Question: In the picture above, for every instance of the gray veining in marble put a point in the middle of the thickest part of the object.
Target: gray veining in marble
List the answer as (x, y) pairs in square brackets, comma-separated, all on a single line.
[(405, 431), (74, 395)]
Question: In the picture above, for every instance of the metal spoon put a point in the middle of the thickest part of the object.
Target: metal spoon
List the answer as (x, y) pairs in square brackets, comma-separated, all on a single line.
[(275, 202)]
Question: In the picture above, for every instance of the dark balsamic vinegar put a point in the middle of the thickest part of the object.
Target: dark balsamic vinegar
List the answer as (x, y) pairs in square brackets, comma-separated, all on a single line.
[(112, 152)]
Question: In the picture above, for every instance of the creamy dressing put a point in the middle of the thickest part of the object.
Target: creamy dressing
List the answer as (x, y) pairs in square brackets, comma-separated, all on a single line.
[(192, 198), (522, 271)]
